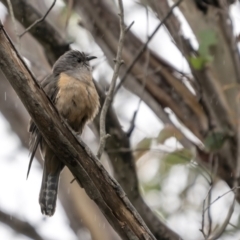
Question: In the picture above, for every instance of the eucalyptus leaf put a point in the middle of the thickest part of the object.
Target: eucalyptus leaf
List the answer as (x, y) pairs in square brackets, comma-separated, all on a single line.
[(167, 132), (182, 156), (143, 146), (215, 140)]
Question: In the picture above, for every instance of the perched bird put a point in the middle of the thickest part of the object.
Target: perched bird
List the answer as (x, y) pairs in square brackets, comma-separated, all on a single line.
[(71, 89)]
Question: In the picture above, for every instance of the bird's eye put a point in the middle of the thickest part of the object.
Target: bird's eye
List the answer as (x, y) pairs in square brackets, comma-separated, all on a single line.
[(79, 60)]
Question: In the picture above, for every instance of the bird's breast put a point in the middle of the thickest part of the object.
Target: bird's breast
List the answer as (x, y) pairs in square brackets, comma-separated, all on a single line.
[(77, 101)]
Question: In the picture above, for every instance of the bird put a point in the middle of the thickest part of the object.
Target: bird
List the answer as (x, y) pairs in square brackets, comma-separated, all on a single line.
[(71, 89)]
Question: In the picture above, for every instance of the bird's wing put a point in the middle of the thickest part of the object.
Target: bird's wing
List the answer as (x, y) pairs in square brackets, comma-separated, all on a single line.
[(49, 85)]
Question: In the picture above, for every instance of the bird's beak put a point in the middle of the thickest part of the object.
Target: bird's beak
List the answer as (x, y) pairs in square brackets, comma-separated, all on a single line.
[(90, 58)]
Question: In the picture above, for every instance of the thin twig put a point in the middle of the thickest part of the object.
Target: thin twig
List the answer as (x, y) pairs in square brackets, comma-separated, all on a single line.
[(132, 122), (129, 26), (234, 226), (203, 212), (237, 175), (204, 169), (208, 199), (39, 20), (13, 20), (220, 230), (209, 212), (214, 167), (143, 48), (20, 226), (219, 197), (68, 14), (199, 168), (110, 93)]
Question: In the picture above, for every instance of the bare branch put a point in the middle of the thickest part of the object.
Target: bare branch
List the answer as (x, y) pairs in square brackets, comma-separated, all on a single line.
[(53, 43), (220, 230), (74, 153), (142, 49), (18, 118), (125, 164), (125, 172), (110, 93), (13, 19), (19, 226), (203, 213), (69, 11), (219, 197), (209, 212), (39, 20), (132, 122), (208, 199)]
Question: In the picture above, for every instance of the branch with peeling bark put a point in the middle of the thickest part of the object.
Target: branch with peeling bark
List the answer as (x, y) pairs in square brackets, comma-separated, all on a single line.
[(88, 171)]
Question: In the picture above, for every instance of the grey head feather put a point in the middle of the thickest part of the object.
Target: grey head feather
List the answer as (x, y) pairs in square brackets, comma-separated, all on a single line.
[(70, 61)]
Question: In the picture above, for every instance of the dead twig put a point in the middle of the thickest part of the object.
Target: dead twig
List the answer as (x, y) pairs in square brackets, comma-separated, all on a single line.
[(209, 212), (20, 226), (208, 199), (13, 20), (231, 190), (132, 122), (143, 48), (39, 20), (203, 212), (68, 15), (110, 93), (220, 230)]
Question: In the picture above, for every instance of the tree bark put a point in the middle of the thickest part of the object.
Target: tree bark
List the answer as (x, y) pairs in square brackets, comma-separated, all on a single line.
[(89, 172)]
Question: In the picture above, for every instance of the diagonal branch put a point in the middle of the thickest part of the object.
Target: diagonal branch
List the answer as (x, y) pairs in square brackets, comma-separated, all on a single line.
[(19, 226), (109, 96), (87, 169), (125, 173), (124, 167), (144, 46), (39, 20), (219, 231), (53, 44)]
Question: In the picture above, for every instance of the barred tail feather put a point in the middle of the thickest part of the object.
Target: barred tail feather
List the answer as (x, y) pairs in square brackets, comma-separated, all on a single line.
[(48, 193), (51, 173)]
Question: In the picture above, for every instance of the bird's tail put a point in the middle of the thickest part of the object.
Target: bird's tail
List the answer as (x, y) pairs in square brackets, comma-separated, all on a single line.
[(49, 188)]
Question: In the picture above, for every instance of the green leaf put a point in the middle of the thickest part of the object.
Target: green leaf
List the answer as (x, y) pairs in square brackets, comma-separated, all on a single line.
[(143, 146), (207, 39), (182, 156), (215, 140), (197, 62), (167, 132)]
